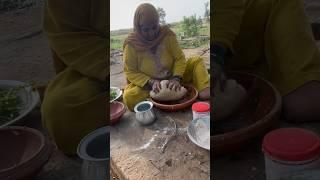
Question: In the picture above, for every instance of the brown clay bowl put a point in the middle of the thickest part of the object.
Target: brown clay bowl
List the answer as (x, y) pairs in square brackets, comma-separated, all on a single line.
[(187, 101), (117, 109), (23, 152), (258, 115)]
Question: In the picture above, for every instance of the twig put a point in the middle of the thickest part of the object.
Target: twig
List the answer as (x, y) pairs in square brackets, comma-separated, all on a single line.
[(204, 51), (171, 136), (154, 165)]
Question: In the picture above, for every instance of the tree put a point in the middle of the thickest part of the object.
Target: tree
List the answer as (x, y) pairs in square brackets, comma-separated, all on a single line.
[(190, 26), (162, 15), (199, 22), (207, 12)]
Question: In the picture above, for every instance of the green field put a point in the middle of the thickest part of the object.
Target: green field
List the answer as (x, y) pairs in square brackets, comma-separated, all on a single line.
[(118, 36)]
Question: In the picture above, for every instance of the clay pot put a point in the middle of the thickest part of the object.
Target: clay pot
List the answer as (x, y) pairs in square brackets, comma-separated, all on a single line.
[(185, 102), (117, 109), (23, 152), (266, 102)]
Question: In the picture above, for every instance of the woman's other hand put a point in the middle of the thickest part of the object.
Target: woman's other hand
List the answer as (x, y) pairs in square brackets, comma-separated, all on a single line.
[(217, 54), (155, 84), (219, 76), (174, 84)]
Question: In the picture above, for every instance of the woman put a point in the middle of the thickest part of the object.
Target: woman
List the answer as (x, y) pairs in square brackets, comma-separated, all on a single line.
[(151, 54), (273, 39), (75, 99)]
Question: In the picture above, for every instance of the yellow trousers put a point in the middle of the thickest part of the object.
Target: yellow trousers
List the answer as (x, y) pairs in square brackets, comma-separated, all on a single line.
[(195, 74), (74, 105)]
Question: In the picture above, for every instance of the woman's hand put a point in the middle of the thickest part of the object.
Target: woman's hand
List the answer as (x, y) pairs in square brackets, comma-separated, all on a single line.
[(219, 76), (218, 56), (155, 84), (174, 84)]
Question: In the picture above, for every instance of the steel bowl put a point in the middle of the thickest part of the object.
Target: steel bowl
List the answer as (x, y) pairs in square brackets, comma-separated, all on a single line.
[(94, 151)]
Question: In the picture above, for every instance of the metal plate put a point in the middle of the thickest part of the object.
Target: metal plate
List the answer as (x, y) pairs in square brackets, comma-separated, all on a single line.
[(118, 91), (30, 98), (199, 132)]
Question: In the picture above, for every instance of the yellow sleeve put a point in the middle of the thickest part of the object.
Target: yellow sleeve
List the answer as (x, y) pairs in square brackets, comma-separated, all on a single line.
[(131, 67), (72, 37), (226, 19), (178, 56)]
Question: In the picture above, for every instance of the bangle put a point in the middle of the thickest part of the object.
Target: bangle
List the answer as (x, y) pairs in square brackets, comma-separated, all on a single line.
[(178, 78)]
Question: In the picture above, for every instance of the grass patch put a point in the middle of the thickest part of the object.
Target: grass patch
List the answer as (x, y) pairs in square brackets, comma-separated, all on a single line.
[(117, 37)]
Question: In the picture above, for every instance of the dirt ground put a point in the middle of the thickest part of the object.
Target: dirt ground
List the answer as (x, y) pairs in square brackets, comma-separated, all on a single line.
[(114, 176), (135, 149), (24, 51)]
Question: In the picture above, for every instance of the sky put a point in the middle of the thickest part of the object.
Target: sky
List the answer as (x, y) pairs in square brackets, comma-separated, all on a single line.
[(122, 11)]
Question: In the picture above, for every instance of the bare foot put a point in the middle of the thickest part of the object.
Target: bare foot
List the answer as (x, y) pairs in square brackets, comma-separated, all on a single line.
[(303, 104)]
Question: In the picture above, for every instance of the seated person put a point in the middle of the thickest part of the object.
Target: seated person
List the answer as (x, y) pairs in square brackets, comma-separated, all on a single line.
[(273, 39), (75, 100), (151, 54)]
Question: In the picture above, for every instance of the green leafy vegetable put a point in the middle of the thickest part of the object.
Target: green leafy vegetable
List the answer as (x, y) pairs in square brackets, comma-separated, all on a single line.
[(10, 104), (113, 94)]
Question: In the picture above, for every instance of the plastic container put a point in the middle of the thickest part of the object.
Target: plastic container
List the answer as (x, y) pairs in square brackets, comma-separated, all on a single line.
[(290, 150), (200, 109), (312, 174)]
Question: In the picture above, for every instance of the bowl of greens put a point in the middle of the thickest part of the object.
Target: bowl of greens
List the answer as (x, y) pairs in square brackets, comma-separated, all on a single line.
[(17, 99), (115, 93)]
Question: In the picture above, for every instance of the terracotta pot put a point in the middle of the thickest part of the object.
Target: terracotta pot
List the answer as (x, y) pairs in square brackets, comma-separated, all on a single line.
[(23, 152), (265, 112), (41, 89), (186, 102), (117, 109)]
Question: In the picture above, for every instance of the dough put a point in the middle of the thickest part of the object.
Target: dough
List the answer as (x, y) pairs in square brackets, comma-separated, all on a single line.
[(227, 102), (165, 94)]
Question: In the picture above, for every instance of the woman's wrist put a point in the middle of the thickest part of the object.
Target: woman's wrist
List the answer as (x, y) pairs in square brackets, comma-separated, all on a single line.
[(150, 82), (177, 78), (218, 52)]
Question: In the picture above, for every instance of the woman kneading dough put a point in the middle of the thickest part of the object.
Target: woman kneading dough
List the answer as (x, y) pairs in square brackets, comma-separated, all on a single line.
[(151, 54)]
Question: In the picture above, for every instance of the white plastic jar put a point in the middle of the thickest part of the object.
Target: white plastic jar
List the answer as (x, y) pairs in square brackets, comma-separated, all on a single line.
[(290, 150), (200, 109)]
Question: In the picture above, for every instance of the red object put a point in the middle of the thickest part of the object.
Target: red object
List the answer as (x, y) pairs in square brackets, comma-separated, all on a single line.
[(201, 107), (291, 144), (117, 109), (181, 104)]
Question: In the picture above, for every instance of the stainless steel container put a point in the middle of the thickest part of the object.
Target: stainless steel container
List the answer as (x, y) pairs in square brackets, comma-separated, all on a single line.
[(144, 112), (94, 151)]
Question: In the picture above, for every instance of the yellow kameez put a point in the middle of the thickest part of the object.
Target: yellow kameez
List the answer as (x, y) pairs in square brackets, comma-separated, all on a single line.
[(271, 38), (140, 66), (75, 99)]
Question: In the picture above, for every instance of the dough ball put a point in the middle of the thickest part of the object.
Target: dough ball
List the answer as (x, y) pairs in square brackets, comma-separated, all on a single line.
[(227, 102), (165, 94)]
